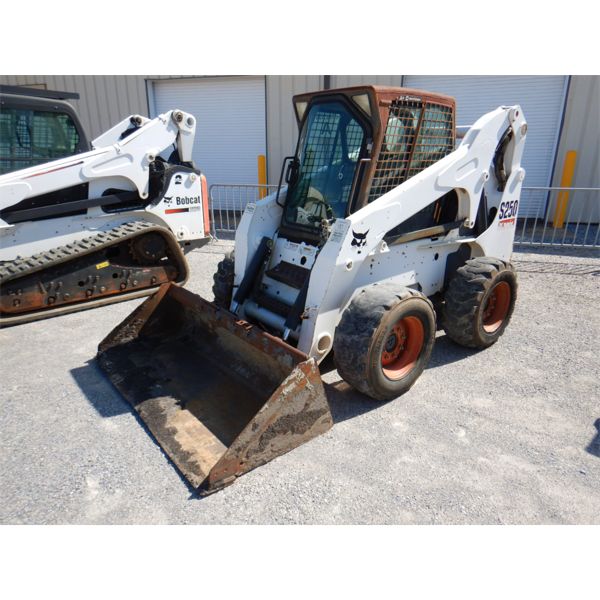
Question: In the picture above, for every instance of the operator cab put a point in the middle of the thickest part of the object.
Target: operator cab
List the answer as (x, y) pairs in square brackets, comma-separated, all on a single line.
[(37, 126), (355, 145)]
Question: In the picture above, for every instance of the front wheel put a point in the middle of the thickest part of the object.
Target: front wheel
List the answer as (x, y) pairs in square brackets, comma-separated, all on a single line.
[(384, 340)]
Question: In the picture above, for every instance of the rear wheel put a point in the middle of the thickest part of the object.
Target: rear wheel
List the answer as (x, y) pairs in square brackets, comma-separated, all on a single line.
[(479, 302), (384, 340), (223, 281)]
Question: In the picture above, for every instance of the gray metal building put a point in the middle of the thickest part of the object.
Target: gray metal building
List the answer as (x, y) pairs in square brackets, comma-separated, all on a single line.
[(240, 117)]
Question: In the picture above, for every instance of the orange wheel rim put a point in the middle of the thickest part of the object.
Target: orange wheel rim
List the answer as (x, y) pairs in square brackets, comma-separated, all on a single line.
[(496, 307), (402, 348)]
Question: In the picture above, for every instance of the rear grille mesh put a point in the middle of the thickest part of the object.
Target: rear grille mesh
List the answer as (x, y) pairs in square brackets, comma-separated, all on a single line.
[(417, 135)]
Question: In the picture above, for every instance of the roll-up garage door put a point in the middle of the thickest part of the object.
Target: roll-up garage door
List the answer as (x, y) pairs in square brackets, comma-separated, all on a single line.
[(540, 97), (230, 130)]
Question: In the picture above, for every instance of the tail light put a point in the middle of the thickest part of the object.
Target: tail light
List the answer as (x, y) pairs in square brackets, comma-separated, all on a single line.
[(205, 204)]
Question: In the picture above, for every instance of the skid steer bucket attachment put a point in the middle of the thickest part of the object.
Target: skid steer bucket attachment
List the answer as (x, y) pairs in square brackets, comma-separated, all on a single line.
[(219, 395)]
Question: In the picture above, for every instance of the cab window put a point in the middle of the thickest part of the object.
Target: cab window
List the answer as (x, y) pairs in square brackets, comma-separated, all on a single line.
[(329, 150), (30, 137)]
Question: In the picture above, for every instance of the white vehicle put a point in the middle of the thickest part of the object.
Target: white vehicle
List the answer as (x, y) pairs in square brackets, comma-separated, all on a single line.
[(384, 230), (105, 225)]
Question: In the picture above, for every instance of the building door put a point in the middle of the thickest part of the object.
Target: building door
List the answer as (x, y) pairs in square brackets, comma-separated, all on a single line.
[(231, 127)]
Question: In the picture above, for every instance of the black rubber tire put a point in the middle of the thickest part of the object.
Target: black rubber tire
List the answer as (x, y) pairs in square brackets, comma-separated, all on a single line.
[(466, 299), (223, 281), (365, 327)]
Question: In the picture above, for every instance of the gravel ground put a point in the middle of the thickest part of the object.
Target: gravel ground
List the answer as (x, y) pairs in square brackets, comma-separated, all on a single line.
[(507, 435)]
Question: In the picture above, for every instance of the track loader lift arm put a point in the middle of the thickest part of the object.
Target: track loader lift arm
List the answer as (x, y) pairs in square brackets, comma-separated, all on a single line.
[(121, 156)]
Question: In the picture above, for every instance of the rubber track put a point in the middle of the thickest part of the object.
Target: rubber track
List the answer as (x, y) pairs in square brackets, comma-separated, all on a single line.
[(21, 267)]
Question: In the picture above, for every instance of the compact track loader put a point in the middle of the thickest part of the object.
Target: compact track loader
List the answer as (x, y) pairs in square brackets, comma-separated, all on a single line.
[(383, 228), (101, 226)]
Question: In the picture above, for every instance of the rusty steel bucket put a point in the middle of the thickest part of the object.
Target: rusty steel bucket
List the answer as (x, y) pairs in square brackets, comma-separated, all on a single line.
[(220, 396)]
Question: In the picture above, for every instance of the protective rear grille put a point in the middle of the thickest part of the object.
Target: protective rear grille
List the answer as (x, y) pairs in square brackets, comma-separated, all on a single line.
[(417, 135)]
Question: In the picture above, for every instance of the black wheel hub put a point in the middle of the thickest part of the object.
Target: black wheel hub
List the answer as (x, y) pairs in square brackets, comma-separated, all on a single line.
[(391, 342)]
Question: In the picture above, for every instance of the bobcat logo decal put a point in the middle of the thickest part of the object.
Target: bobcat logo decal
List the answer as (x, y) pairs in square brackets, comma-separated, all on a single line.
[(167, 200), (359, 239)]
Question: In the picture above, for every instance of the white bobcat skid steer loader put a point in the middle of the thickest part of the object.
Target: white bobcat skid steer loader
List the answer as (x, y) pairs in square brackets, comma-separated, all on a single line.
[(102, 226), (382, 219)]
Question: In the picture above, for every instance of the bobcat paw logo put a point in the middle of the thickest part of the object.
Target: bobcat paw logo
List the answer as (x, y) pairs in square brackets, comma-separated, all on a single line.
[(359, 239), (167, 199)]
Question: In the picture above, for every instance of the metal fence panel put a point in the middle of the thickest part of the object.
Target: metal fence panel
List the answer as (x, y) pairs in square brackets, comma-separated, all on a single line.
[(577, 226), (227, 203), (580, 223)]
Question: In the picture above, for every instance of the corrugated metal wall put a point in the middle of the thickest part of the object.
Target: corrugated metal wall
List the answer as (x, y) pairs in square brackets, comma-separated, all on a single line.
[(581, 132), (350, 80), (282, 131), (105, 99)]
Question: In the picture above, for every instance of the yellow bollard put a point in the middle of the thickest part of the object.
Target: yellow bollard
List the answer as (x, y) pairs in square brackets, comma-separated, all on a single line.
[(562, 201), (262, 175)]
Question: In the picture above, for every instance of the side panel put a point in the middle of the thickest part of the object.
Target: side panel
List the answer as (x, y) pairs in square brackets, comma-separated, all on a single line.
[(181, 207), (260, 219)]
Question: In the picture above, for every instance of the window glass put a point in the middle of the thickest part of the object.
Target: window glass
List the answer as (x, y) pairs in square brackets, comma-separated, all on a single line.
[(30, 137), (354, 140), (329, 150)]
